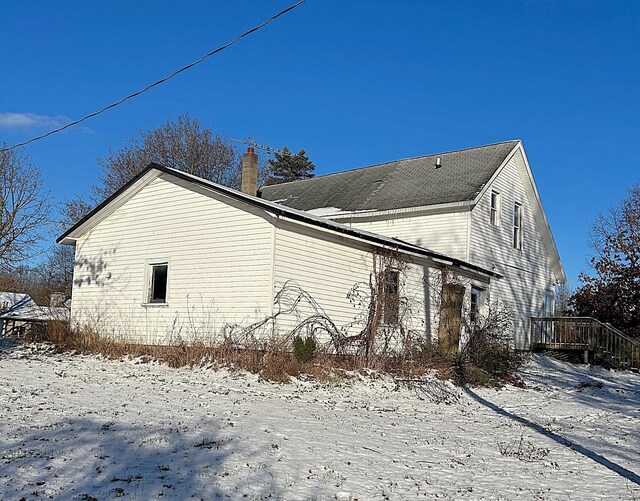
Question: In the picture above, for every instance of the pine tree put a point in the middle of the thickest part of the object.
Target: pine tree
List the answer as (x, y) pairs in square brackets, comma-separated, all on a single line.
[(289, 167)]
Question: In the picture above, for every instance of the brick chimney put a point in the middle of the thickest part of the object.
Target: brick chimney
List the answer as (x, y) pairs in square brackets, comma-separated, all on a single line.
[(250, 172), (56, 299)]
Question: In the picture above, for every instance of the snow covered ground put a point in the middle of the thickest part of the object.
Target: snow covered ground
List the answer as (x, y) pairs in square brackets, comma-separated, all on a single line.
[(78, 427)]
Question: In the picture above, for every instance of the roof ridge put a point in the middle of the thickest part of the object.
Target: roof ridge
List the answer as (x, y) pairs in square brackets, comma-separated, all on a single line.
[(394, 161), (290, 212)]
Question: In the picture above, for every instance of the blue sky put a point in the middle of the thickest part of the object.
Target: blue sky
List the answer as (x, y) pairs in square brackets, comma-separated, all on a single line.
[(353, 83)]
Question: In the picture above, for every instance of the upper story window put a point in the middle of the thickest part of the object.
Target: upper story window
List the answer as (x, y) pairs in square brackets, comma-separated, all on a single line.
[(391, 300), (158, 276), (517, 226), (495, 208)]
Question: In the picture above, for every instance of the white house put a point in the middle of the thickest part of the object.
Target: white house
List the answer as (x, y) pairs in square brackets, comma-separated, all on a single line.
[(479, 205), (173, 257)]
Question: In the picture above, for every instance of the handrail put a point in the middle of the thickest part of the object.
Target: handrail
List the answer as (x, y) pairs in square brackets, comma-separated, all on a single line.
[(586, 333), (606, 325), (620, 333)]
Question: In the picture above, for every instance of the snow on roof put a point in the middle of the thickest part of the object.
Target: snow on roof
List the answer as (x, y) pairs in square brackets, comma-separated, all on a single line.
[(10, 300), (17, 306), (36, 313), (154, 170)]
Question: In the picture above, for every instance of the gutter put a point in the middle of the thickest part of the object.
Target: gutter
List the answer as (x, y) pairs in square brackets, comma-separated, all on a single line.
[(281, 211)]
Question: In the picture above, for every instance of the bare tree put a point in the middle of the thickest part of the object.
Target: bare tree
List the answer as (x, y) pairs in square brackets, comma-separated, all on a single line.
[(57, 270), (71, 211), (183, 145), (23, 208), (563, 300), (612, 294)]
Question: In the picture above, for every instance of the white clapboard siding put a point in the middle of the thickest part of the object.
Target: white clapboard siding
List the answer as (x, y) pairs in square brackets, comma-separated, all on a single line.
[(219, 255), (527, 272), (329, 268), (446, 233)]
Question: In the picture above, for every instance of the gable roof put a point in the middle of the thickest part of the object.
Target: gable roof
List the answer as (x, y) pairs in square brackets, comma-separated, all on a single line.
[(12, 300), (32, 312), (415, 183), (412, 182), (153, 171), (18, 306)]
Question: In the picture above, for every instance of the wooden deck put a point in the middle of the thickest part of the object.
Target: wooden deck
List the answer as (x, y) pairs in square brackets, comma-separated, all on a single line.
[(562, 346), (596, 339)]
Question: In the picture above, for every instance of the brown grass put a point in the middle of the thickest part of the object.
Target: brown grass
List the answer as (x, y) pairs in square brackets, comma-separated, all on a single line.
[(272, 360), (275, 361)]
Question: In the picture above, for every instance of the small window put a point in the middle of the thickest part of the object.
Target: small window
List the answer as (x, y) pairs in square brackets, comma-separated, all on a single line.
[(476, 295), (548, 304), (517, 226), (158, 284), (391, 300), (495, 208)]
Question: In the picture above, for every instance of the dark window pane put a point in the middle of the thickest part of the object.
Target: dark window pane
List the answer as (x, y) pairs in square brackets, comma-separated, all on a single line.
[(158, 283), (475, 303), (391, 300)]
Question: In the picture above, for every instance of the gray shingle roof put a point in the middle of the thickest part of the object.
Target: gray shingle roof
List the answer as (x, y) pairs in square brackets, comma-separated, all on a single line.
[(413, 182)]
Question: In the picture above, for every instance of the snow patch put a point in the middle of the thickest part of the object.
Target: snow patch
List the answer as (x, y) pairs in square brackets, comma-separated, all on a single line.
[(81, 427)]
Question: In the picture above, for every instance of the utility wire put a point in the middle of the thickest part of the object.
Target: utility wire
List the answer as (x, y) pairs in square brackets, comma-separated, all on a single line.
[(161, 81)]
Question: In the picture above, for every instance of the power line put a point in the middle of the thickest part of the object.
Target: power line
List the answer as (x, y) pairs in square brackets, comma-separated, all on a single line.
[(158, 82)]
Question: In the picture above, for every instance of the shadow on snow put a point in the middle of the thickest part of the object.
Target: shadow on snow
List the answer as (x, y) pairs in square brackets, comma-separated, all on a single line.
[(92, 458), (598, 458)]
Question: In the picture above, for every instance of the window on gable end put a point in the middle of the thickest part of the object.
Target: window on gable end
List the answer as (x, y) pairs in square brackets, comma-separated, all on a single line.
[(495, 208), (391, 298), (517, 226), (158, 278), (548, 303)]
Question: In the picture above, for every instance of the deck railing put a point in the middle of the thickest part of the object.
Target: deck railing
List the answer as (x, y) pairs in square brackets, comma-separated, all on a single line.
[(587, 334)]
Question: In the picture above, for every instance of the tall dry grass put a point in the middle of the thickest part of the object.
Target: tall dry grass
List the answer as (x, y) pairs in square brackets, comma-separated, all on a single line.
[(487, 360), (271, 359)]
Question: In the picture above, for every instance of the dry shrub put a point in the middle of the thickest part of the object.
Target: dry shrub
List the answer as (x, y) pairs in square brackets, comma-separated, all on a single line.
[(274, 360), (488, 357), (524, 450), (279, 366)]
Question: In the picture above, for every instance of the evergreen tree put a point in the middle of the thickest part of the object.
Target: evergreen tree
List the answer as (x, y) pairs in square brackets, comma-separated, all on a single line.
[(289, 167)]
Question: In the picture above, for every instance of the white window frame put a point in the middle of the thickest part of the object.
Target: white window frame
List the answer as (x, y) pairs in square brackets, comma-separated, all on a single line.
[(148, 278), (517, 225), (494, 211), (480, 300), (549, 304)]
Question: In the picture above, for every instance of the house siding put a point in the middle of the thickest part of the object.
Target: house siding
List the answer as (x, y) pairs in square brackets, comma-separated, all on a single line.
[(446, 233), (527, 272), (328, 268), (219, 258)]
